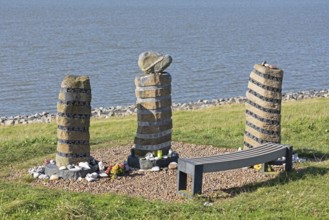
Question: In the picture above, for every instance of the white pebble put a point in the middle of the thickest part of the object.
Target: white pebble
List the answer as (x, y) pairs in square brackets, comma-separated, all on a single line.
[(101, 165), (35, 175), (32, 170), (41, 169), (141, 171), (94, 175), (53, 177), (43, 176), (77, 168), (89, 179), (155, 169), (62, 168), (103, 175), (170, 153), (84, 165), (207, 204), (149, 156)]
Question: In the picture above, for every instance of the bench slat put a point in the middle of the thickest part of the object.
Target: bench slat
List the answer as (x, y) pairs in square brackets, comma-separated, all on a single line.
[(234, 155), (244, 162)]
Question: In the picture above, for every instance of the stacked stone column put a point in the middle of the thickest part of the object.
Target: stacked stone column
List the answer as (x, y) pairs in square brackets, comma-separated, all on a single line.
[(152, 144), (73, 120), (153, 93), (263, 106)]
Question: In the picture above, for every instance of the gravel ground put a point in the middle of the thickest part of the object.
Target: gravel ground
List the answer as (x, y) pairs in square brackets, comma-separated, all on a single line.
[(158, 185)]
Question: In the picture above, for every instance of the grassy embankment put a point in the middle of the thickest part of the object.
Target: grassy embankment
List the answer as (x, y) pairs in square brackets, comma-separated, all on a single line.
[(302, 194)]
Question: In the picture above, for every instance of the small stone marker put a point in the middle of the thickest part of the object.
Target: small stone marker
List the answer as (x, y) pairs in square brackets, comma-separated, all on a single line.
[(263, 106), (73, 119)]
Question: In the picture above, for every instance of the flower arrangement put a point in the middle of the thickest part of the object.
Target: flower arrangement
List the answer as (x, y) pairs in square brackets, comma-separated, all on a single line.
[(118, 169)]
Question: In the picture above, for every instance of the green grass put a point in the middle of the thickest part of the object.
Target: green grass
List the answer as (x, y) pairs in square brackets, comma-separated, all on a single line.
[(302, 194)]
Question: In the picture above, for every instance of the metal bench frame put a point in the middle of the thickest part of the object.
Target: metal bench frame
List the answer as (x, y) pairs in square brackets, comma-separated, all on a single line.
[(197, 166)]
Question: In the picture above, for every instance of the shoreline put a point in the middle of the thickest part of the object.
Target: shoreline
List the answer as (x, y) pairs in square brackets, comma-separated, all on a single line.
[(121, 111)]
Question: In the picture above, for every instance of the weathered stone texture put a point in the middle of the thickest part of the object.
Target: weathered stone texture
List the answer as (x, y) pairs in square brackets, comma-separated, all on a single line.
[(157, 79), (154, 129), (149, 141), (73, 120), (153, 92), (151, 62), (154, 103), (263, 106), (166, 91), (153, 117), (64, 148)]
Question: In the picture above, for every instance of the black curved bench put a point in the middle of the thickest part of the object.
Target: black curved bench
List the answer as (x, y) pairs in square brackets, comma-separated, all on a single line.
[(197, 166)]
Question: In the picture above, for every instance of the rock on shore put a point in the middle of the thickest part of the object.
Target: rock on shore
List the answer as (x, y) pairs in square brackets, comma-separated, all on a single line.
[(106, 112)]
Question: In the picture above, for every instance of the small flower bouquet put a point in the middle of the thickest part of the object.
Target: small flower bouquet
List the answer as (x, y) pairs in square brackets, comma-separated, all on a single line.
[(118, 169)]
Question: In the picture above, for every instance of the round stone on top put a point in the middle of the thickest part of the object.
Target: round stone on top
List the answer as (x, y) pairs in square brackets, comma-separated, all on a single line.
[(152, 62)]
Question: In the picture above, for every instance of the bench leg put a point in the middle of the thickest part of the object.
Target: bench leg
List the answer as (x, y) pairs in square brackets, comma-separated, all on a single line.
[(181, 179), (289, 159), (264, 166), (197, 180)]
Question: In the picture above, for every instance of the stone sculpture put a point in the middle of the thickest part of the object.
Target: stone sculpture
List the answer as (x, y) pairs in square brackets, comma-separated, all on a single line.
[(263, 106), (151, 62), (153, 93), (73, 120)]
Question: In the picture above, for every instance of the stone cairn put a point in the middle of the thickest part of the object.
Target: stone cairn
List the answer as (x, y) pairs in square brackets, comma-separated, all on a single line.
[(73, 120), (263, 106), (153, 93), (73, 158)]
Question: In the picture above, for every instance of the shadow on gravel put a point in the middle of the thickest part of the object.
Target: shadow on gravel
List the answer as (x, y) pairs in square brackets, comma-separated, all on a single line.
[(281, 179), (135, 174)]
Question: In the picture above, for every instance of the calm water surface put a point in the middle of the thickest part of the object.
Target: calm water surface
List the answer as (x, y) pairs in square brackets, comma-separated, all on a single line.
[(214, 45)]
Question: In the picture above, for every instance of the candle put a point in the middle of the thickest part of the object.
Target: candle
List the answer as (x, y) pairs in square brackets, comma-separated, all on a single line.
[(159, 154)]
